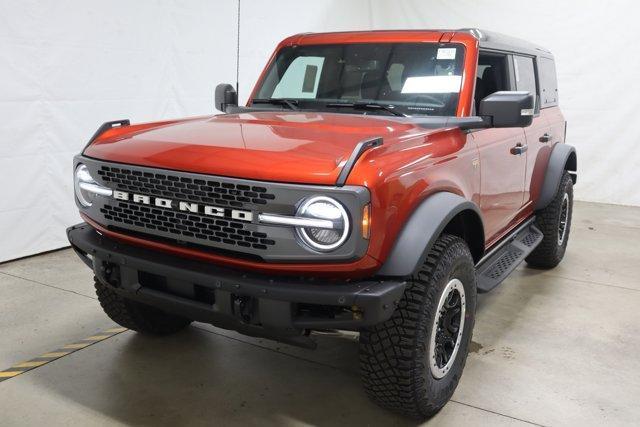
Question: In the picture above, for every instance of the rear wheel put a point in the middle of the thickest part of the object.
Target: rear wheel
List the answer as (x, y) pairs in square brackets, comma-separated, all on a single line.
[(412, 362), (555, 223), (134, 315)]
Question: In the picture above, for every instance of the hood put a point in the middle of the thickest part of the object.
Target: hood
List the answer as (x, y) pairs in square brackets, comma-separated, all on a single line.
[(296, 147)]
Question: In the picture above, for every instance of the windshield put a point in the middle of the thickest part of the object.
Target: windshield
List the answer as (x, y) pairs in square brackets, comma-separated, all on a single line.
[(411, 78)]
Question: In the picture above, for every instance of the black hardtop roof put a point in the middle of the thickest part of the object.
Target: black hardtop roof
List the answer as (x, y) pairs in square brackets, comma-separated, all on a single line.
[(487, 39), (497, 41)]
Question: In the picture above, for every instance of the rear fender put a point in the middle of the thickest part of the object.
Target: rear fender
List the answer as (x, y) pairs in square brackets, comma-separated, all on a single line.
[(563, 158)]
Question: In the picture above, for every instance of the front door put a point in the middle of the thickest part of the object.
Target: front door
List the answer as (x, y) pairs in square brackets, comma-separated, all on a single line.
[(502, 152), (502, 171)]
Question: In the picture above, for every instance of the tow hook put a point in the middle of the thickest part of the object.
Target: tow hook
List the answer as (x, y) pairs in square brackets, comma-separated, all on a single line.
[(244, 308)]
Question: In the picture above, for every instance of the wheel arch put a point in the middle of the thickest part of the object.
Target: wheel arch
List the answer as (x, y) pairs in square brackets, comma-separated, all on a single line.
[(563, 158), (442, 212)]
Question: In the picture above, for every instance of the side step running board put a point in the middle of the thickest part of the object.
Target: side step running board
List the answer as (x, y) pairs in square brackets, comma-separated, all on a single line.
[(498, 264)]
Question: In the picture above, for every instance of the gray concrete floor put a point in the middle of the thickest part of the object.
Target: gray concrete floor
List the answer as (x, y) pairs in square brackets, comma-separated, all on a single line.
[(557, 347)]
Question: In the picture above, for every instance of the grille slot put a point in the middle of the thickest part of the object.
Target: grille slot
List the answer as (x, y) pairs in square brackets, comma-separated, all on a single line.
[(180, 225), (208, 191)]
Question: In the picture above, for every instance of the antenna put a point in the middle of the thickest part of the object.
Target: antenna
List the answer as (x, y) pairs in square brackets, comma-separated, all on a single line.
[(238, 56)]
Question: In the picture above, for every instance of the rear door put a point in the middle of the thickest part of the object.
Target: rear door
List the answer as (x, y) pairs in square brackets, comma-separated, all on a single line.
[(502, 169), (554, 131), (539, 136)]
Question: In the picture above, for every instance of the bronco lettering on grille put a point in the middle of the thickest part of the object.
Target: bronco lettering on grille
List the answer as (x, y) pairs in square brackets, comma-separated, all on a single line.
[(184, 206)]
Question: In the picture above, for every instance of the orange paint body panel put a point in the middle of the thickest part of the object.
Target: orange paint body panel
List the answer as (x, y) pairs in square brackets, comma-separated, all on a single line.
[(312, 147)]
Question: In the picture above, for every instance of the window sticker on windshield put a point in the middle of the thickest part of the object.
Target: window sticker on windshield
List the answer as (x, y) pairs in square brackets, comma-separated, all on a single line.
[(432, 84), (446, 53)]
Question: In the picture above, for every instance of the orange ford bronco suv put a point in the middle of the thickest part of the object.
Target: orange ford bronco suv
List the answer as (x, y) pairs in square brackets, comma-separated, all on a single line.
[(374, 182)]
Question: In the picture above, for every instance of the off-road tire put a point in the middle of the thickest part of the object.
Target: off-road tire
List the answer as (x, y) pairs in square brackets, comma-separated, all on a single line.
[(136, 316), (550, 251), (393, 355)]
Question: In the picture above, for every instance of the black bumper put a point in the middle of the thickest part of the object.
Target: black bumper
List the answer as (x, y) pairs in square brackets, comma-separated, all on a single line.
[(254, 304)]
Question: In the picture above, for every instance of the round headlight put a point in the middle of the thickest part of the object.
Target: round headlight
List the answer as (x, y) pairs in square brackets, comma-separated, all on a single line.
[(82, 176), (325, 208)]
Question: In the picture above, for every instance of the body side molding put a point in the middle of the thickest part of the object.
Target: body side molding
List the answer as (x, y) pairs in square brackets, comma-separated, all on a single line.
[(563, 157), (422, 229)]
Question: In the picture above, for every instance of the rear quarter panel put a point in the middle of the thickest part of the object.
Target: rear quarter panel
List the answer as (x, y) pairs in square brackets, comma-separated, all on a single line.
[(537, 166)]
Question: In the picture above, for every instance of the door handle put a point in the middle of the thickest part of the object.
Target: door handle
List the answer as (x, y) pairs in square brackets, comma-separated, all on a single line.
[(518, 149), (545, 138)]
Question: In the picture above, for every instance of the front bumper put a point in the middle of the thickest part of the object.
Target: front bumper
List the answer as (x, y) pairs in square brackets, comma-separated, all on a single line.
[(276, 307)]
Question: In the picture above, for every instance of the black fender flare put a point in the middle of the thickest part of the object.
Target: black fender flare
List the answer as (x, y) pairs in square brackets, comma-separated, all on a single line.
[(563, 157), (424, 226)]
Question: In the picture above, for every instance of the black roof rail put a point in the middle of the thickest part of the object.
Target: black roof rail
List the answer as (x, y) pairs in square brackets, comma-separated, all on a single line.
[(105, 127), (355, 155)]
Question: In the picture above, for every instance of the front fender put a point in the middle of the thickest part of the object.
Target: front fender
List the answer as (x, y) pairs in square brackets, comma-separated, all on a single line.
[(421, 231)]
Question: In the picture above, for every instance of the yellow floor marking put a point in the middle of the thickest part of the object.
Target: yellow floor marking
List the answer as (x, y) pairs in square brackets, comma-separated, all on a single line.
[(30, 364), (79, 345), (56, 354), (101, 336), (8, 374), (96, 338)]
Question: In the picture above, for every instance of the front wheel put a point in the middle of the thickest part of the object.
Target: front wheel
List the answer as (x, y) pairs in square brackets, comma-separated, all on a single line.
[(412, 362), (137, 316)]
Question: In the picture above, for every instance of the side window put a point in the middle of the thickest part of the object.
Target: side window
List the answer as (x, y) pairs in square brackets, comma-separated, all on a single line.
[(548, 82), (526, 76), (301, 78), (492, 75)]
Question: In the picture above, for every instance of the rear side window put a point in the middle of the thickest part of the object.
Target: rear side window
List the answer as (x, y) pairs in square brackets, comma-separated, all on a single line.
[(526, 76), (548, 82)]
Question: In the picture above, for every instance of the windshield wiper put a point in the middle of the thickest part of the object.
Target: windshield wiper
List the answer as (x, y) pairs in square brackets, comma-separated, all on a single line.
[(292, 104), (367, 106)]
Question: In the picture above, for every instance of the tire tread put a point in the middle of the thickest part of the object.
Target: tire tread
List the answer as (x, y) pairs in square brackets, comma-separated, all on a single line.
[(136, 316), (391, 353), (548, 253)]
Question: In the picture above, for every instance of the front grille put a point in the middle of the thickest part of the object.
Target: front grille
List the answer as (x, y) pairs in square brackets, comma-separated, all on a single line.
[(198, 228), (216, 192), (213, 214), (181, 225)]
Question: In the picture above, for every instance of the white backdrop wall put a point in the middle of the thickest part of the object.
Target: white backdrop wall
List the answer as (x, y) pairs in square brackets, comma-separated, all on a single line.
[(69, 65), (598, 64), (66, 66)]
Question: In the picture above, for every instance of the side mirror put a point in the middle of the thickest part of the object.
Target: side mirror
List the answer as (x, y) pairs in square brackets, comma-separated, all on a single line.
[(508, 109), (226, 96)]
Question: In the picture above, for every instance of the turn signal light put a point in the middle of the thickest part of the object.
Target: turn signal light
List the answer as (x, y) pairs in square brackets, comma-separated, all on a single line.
[(366, 222)]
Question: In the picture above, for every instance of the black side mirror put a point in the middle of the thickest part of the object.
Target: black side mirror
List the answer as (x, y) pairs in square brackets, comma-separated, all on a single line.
[(226, 96), (508, 109)]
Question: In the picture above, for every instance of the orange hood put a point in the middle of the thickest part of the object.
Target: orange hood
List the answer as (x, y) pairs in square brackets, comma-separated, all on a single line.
[(296, 147)]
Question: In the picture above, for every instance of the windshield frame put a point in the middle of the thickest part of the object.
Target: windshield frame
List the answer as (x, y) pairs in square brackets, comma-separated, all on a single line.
[(315, 105)]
